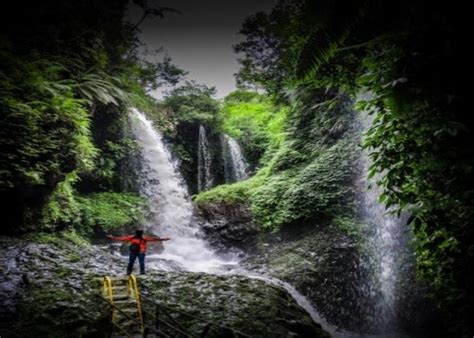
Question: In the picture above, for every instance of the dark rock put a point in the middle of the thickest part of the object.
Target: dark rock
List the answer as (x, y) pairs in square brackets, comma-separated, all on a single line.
[(320, 261), (185, 143), (321, 264), (43, 293), (232, 303), (228, 226), (53, 290)]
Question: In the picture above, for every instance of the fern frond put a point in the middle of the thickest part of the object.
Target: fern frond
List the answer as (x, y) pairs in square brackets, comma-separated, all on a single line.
[(328, 34), (97, 85)]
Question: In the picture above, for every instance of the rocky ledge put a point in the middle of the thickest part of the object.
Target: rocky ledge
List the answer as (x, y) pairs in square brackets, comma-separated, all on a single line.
[(319, 260), (50, 287)]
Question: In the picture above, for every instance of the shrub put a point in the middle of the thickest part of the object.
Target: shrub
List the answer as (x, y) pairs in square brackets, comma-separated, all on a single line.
[(109, 210)]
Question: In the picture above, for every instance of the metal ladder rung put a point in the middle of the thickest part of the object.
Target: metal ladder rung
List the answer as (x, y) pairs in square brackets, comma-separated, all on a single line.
[(124, 297)]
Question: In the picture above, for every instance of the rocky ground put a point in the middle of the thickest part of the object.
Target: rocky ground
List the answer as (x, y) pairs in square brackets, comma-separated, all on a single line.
[(50, 287), (318, 260)]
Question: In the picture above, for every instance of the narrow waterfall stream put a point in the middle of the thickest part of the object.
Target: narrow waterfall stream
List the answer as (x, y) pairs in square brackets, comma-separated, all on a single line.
[(172, 215), (235, 165), (205, 180), (388, 254)]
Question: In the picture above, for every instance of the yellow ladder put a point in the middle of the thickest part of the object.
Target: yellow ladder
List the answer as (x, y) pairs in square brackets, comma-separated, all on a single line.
[(124, 297)]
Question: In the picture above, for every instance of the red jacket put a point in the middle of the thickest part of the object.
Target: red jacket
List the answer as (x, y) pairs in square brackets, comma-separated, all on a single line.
[(140, 241)]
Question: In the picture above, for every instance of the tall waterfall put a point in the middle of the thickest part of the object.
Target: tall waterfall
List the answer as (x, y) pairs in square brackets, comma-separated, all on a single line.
[(171, 211), (205, 180), (235, 165), (388, 253)]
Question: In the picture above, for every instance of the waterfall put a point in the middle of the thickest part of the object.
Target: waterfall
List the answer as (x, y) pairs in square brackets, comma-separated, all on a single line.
[(171, 211), (387, 255), (235, 165), (205, 180), (386, 251), (171, 214)]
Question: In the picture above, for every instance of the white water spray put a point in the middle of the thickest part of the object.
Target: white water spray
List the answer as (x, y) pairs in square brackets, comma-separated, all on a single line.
[(205, 180), (171, 211), (386, 245), (235, 165), (387, 248)]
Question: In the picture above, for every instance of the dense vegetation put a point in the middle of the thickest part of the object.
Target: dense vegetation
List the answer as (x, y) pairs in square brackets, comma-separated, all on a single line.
[(308, 176), (251, 118), (70, 75), (67, 80), (404, 58), (255, 122)]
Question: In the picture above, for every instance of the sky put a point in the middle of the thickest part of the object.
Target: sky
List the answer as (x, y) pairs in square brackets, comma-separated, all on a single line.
[(200, 39)]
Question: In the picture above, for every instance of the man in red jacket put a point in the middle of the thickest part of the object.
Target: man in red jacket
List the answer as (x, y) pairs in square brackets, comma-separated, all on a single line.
[(137, 247)]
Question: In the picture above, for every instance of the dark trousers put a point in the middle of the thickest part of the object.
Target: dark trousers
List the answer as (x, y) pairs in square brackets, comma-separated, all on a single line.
[(131, 261)]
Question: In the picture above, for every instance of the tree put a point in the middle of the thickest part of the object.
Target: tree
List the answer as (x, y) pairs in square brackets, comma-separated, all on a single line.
[(193, 102)]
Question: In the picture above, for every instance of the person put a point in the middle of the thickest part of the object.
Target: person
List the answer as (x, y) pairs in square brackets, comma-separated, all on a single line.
[(138, 246)]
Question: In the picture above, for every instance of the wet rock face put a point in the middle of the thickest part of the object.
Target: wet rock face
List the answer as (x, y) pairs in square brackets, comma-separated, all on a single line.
[(319, 261), (228, 226), (53, 290), (185, 146), (247, 306)]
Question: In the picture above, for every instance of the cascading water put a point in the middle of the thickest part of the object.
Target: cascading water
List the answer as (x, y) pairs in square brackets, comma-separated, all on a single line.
[(387, 255), (205, 180), (171, 211), (171, 214), (235, 165)]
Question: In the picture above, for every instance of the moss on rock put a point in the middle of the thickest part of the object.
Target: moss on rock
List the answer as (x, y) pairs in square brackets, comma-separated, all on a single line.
[(51, 288)]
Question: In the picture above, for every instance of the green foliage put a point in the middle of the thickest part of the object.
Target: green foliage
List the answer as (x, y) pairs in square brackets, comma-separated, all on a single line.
[(75, 238), (421, 137), (97, 86), (351, 226), (318, 189), (193, 102), (238, 192), (271, 47), (51, 127), (255, 122), (423, 143), (311, 173), (39, 309), (62, 209), (156, 75), (428, 172), (113, 154), (63, 272), (59, 239), (58, 78), (112, 170), (107, 210)]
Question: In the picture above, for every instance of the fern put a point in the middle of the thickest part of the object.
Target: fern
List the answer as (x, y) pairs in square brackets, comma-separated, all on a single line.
[(99, 86), (327, 34)]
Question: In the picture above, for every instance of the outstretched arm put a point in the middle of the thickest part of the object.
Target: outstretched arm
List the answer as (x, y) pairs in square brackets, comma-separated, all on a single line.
[(156, 239), (120, 238)]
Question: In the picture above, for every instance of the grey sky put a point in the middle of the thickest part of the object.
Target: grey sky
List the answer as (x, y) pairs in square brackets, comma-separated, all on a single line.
[(200, 40)]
